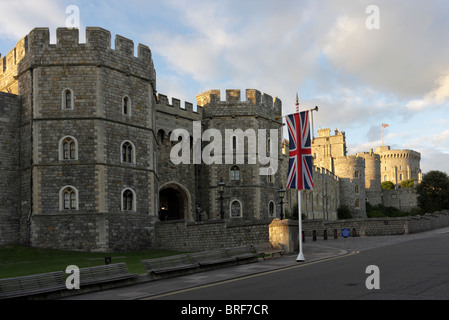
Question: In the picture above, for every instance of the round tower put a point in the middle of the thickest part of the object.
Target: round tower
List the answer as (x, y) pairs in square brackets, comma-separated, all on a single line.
[(399, 165), (351, 171), (372, 177)]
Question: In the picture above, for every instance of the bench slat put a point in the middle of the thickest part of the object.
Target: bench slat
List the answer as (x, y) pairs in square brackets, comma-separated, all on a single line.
[(99, 274), (34, 284), (211, 257), (167, 264)]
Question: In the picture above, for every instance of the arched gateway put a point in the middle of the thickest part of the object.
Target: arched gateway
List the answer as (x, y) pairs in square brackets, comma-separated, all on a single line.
[(174, 202)]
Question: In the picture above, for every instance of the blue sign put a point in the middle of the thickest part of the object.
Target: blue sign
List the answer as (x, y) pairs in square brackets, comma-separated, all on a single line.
[(345, 233)]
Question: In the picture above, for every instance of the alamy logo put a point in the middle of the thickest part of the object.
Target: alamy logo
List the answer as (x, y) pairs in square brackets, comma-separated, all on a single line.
[(373, 20), (261, 149), (73, 19), (373, 281), (73, 280)]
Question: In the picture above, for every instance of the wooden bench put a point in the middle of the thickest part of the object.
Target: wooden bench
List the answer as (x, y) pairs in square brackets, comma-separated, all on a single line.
[(211, 257), (169, 264), (106, 273), (31, 285), (267, 249), (242, 253)]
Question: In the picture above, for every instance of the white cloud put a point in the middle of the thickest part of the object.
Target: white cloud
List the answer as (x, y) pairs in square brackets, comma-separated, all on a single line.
[(436, 97), (20, 17)]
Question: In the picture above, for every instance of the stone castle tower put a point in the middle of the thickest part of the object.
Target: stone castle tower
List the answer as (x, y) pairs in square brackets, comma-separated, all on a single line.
[(87, 139)]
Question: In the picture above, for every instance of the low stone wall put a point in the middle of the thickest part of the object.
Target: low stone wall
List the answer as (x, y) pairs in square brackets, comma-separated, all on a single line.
[(208, 235), (379, 226)]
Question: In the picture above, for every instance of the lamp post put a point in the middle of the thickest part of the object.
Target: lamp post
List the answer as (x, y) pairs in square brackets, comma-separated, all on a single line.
[(281, 195), (221, 186)]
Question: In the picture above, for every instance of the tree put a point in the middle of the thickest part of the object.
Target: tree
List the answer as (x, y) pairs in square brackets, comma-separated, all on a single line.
[(387, 185), (408, 183), (343, 212), (433, 192)]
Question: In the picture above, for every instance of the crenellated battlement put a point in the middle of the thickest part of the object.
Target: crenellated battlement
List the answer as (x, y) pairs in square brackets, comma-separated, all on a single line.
[(233, 96), (175, 108), (8, 67), (387, 153), (97, 51)]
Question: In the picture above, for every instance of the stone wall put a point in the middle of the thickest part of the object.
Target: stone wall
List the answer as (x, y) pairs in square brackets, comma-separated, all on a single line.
[(9, 168), (402, 198), (88, 232), (379, 226), (208, 235)]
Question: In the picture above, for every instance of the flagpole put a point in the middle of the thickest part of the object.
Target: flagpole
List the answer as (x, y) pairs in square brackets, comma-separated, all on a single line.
[(382, 134), (300, 257)]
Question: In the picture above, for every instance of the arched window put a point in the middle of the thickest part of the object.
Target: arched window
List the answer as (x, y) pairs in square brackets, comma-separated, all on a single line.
[(67, 99), (357, 189), (271, 209), (128, 200), (128, 152), (68, 148), (357, 203), (236, 209), (68, 198), (235, 173), (126, 106)]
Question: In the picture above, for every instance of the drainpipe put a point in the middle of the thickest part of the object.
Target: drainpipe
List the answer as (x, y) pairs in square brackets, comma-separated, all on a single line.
[(31, 157)]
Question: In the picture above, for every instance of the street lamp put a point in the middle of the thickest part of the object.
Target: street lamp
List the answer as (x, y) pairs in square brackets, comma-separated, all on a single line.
[(281, 195), (221, 186)]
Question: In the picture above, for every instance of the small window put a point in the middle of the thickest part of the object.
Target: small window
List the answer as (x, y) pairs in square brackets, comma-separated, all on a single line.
[(128, 200), (271, 209), (270, 176), (128, 152), (236, 209), (357, 189), (68, 148), (357, 203), (67, 99), (235, 173), (68, 198), (126, 106)]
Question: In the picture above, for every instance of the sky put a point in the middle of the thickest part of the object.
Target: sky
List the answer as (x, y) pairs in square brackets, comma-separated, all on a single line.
[(361, 65)]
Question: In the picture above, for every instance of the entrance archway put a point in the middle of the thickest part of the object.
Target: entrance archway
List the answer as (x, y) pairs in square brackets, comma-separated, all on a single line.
[(174, 202)]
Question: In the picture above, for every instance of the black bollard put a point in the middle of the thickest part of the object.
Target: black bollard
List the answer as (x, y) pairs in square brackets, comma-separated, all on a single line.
[(354, 234), (325, 235), (335, 234), (314, 235)]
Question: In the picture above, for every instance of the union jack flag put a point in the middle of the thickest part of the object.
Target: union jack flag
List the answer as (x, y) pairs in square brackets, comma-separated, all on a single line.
[(300, 174)]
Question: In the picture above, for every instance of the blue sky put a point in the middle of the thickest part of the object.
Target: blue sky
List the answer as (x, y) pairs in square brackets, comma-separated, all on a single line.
[(321, 49)]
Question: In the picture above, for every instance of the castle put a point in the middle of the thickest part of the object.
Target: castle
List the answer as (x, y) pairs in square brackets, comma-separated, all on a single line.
[(86, 150)]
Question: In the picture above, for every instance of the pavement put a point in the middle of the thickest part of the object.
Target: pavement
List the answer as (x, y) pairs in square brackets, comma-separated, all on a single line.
[(313, 251)]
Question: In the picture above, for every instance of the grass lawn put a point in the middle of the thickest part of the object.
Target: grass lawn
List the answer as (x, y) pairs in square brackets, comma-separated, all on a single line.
[(16, 261)]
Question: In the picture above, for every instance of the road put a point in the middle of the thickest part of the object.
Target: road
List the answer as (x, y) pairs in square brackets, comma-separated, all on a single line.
[(416, 269)]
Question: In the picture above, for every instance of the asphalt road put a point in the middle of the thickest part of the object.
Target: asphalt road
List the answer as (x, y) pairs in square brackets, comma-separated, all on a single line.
[(411, 270)]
